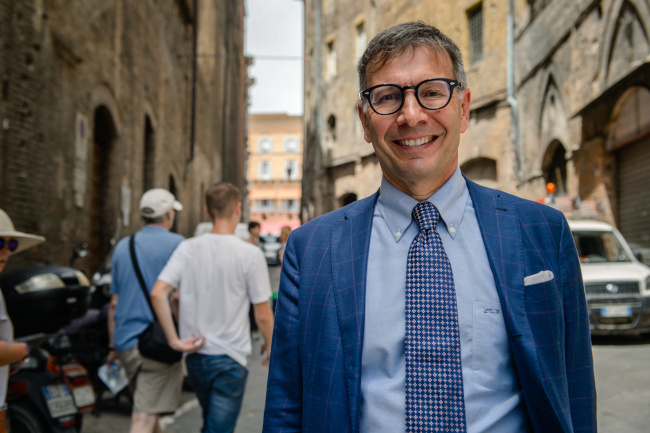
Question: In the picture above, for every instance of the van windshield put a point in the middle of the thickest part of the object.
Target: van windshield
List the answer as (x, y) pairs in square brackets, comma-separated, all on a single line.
[(598, 247)]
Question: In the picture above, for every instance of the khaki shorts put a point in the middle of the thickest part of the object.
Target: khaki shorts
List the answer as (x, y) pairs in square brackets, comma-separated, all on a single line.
[(157, 385)]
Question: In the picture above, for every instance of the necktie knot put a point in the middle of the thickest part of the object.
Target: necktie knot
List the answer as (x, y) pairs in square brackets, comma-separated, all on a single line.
[(425, 215)]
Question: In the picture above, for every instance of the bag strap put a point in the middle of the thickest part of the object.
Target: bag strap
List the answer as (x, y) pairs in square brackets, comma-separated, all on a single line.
[(136, 267)]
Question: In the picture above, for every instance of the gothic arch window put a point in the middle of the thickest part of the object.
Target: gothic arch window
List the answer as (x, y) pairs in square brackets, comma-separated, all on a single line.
[(553, 119), (330, 137), (626, 42), (331, 125)]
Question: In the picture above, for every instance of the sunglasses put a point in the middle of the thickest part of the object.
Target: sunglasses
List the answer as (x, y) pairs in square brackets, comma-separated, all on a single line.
[(12, 244)]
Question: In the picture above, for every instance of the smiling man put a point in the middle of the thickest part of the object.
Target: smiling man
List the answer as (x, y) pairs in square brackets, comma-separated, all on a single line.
[(435, 304)]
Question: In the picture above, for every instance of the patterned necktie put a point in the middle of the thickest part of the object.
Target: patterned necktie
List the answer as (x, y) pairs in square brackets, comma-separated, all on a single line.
[(434, 383)]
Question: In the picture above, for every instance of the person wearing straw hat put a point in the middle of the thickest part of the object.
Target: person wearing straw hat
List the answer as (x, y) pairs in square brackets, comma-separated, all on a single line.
[(11, 242)]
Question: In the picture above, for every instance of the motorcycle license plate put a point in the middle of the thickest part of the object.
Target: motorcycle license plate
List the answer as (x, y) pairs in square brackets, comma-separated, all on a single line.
[(59, 400), (83, 396)]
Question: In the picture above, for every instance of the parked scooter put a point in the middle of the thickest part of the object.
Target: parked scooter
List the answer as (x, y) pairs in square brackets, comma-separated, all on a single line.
[(40, 300), (88, 335), (50, 392)]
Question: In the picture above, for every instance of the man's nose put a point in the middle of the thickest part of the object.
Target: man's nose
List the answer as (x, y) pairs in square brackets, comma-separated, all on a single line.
[(412, 112)]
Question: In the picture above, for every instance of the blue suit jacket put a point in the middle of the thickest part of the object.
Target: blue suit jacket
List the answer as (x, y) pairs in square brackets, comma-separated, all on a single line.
[(315, 371)]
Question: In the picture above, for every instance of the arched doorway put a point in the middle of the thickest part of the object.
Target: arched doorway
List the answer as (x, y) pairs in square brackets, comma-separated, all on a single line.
[(554, 167), (104, 204)]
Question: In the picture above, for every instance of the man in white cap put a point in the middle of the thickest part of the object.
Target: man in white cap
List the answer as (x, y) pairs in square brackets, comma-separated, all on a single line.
[(156, 386), (11, 242)]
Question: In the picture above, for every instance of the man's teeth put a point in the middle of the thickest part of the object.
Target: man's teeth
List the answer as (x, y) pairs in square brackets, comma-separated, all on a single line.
[(418, 142)]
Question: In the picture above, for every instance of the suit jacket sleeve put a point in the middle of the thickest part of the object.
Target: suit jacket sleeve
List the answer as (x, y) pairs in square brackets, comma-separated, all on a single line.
[(283, 411), (578, 358)]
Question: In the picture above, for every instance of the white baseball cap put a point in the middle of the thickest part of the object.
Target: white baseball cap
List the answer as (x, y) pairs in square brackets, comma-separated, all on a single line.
[(157, 202)]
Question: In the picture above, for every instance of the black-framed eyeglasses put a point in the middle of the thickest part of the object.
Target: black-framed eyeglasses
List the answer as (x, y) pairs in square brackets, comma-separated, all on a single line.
[(12, 244), (432, 94)]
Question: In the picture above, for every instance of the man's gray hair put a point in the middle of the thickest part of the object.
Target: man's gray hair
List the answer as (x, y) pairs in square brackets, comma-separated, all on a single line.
[(156, 220), (394, 41)]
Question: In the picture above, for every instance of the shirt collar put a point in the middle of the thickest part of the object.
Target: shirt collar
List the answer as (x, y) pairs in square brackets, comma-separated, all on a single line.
[(450, 200)]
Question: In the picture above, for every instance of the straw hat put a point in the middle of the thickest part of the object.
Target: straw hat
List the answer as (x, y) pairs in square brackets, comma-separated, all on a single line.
[(25, 240)]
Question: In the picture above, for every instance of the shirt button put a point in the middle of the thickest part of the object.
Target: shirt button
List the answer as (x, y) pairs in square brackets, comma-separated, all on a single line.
[(452, 230), (398, 234)]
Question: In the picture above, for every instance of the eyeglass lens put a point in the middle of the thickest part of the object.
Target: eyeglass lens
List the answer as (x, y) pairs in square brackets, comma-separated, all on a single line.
[(12, 244), (432, 94)]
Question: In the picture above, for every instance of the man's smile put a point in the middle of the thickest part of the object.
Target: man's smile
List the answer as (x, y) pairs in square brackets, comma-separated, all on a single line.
[(417, 141)]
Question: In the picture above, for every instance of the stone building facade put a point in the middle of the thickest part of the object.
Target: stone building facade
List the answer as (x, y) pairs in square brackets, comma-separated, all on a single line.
[(560, 94), (102, 100), (340, 165), (274, 170), (583, 87)]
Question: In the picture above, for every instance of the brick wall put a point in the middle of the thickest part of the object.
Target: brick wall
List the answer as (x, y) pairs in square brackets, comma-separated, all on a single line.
[(64, 59)]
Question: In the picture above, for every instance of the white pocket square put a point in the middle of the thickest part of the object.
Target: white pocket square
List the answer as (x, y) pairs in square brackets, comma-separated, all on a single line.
[(540, 277)]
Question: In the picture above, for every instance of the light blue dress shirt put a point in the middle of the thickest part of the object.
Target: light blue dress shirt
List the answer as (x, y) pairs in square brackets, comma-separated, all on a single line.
[(493, 402)]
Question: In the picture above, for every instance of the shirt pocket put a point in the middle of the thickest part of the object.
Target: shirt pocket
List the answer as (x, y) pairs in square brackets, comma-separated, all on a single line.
[(492, 362)]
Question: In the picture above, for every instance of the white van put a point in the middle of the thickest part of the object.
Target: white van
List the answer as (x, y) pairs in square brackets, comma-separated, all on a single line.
[(617, 284)]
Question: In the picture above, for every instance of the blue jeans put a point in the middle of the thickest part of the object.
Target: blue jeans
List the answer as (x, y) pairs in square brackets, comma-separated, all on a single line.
[(219, 384)]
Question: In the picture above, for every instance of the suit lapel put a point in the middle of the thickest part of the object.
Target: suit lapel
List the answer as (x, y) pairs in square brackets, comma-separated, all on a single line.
[(502, 235), (349, 249)]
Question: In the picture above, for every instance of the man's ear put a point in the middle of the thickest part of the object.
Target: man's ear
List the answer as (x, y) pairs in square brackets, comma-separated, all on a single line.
[(464, 109), (169, 218), (364, 122)]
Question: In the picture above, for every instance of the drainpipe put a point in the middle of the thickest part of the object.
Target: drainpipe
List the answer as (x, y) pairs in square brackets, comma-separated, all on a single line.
[(317, 195), (511, 89), (195, 33)]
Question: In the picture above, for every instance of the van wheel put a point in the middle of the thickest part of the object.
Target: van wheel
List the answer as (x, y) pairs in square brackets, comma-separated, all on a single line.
[(24, 418)]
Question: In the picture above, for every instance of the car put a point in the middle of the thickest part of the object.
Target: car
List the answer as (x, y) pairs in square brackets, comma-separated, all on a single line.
[(617, 284), (270, 245)]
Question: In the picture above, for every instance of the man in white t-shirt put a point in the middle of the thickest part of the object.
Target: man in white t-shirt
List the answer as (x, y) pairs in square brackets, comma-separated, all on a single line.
[(218, 276)]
